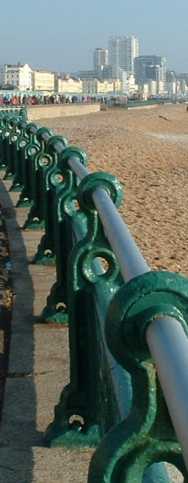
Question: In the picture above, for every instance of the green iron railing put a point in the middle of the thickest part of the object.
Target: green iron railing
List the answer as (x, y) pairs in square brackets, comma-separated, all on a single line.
[(115, 308)]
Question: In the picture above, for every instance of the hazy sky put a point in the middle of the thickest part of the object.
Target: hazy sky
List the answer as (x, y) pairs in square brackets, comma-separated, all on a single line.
[(62, 34)]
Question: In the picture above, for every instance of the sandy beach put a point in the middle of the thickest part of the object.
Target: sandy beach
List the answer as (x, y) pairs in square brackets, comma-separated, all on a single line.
[(149, 155)]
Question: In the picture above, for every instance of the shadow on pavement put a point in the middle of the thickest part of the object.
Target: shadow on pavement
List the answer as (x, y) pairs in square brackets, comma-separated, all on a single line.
[(18, 427)]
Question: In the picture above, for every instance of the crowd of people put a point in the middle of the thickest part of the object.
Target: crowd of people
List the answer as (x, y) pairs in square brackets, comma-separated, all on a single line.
[(30, 100)]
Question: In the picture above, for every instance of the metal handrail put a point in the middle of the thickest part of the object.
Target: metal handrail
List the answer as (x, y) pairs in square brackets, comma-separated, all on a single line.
[(166, 338)]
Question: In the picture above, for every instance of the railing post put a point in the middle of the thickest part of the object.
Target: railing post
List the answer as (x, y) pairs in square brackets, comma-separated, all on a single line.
[(22, 142), (2, 129), (26, 160), (5, 142), (78, 418), (62, 196), (9, 173), (43, 164)]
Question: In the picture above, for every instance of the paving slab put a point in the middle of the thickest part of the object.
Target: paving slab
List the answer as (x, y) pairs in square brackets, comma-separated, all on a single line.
[(30, 242), (40, 465), (29, 408), (39, 349)]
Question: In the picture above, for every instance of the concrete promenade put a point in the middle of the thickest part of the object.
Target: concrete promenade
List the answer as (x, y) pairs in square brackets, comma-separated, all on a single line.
[(38, 369)]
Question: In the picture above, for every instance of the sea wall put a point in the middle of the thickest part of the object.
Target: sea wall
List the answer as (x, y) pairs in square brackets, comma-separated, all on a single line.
[(53, 111)]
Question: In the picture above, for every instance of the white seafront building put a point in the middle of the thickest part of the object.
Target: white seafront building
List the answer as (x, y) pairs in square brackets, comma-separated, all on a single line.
[(69, 85), (18, 76)]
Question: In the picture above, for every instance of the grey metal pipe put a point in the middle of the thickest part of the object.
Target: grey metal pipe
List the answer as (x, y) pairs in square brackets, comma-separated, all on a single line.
[(130, 259), (46, 136), (33, 129), (59, 147), (79, 169), (168, 345)]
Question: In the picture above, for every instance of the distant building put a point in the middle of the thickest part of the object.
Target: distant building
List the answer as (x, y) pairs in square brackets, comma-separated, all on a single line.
[(100, 58), (122, 52), (86, 74), (161, 88), (183, 87), (130, 50), (96, 86), (183, 76), (150, 89), (90, 86), (69, 85), (114, 55), (129, 86), (153, 88), (150, 67), (170, 76), (18, 76), (171, 88), (104, 72), (102, 69), (43, 80)]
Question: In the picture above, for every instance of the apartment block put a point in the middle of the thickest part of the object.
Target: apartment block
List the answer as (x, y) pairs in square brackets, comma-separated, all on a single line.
[(18, 76), (69, 86), (150, 67), (100, 58), (122, 52), (96, 86), (129, 85), (43, 80)]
